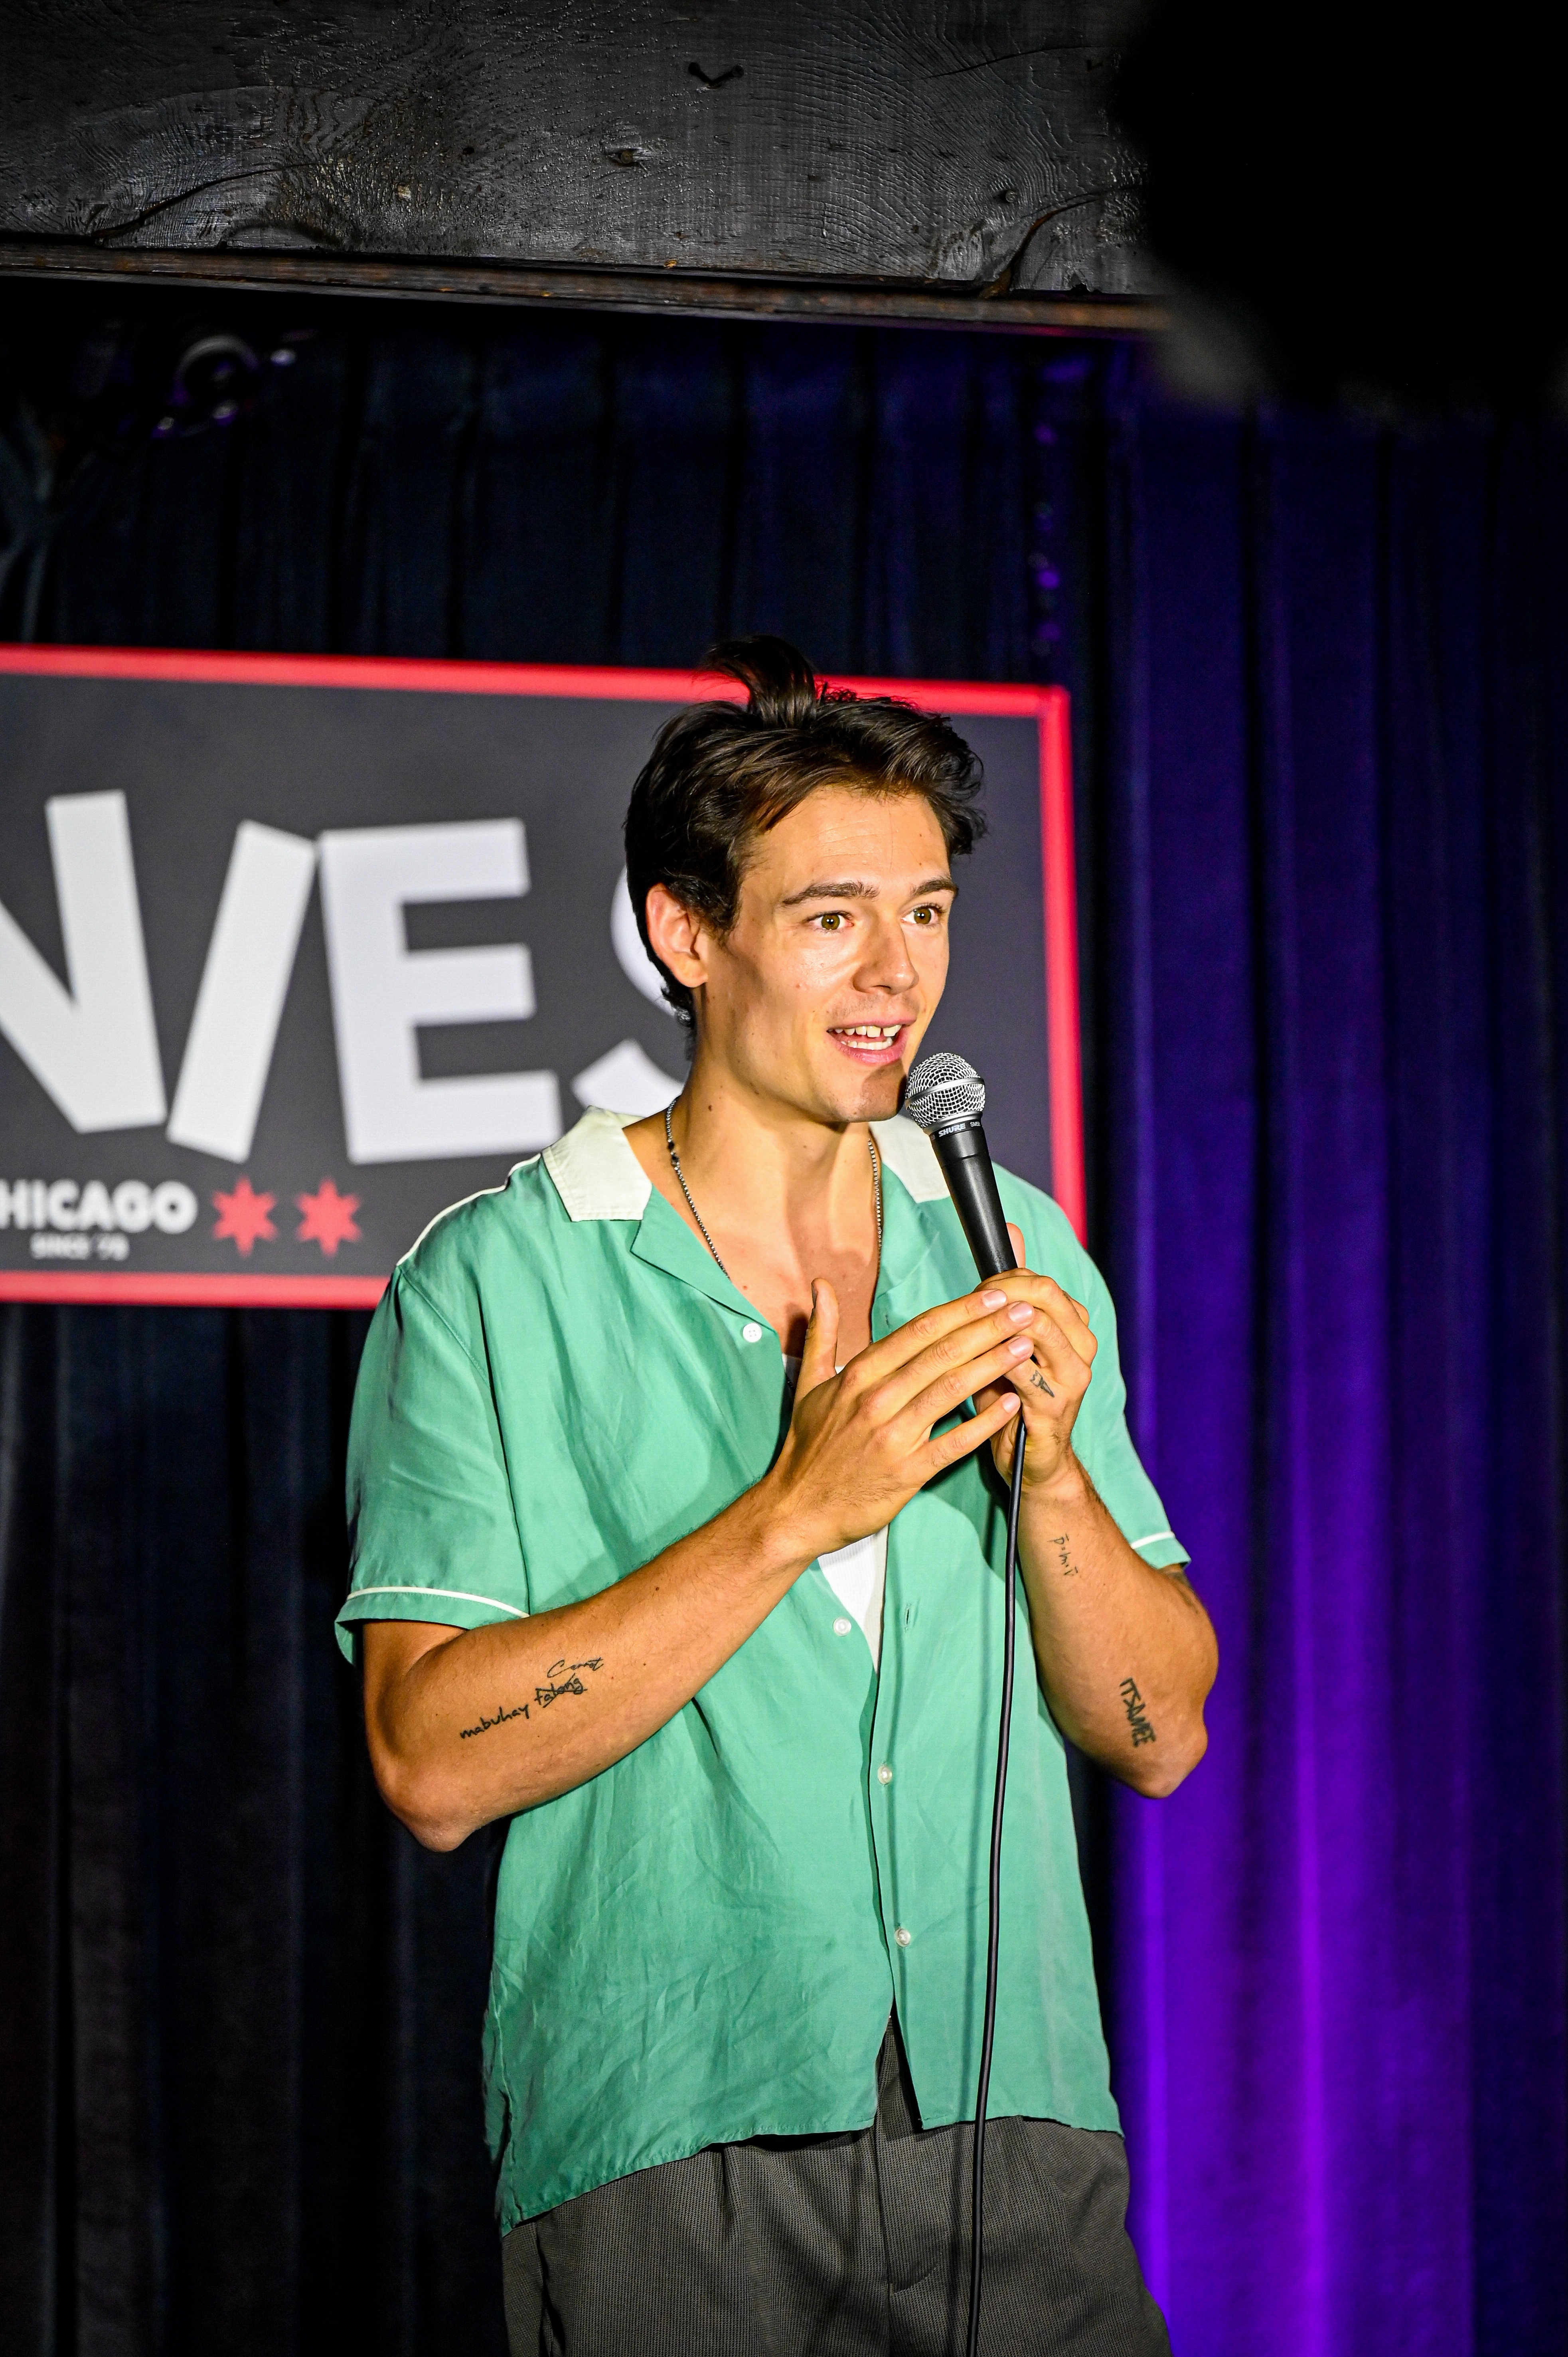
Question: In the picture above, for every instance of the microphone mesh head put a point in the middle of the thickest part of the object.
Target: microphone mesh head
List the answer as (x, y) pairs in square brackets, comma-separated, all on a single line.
[(943, 1090)]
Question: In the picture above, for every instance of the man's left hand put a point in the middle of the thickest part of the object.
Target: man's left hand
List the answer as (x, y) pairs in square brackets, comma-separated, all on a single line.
[(1051, 1386)]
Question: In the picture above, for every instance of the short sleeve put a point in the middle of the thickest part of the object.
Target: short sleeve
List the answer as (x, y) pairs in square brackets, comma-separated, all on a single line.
[(431, 1533), (1100, 1438)]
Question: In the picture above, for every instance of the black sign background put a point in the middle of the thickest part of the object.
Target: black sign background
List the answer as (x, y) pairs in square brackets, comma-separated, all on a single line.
[(199, 744)]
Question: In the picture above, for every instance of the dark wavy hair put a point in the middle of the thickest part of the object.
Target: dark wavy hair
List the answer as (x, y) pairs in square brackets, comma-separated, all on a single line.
[(721, 774)]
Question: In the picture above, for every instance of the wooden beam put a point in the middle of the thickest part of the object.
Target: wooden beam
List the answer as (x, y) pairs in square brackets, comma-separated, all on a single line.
[(953, 153), (694, 293)]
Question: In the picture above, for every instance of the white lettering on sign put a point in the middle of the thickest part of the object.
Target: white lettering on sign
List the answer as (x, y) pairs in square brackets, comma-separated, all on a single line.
[(243, 984), (64, 1206), (93, 1046), (632, 957), (626, 1081), (383, 992)]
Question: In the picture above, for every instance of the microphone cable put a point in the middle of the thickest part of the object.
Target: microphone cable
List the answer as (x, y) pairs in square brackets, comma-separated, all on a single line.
[(993, 1936), (945, 1097)]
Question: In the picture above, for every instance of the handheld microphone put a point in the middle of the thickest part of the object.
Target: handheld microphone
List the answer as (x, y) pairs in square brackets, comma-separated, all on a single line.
[(947, 1097)]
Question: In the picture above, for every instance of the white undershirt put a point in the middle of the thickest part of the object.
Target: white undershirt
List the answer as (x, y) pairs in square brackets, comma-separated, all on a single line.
[(857, 1574)]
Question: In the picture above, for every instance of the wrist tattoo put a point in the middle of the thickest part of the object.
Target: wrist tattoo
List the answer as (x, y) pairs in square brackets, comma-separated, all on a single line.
[(1069, 1568), (1040, 1384), (1137, 1718), (555, 1685)]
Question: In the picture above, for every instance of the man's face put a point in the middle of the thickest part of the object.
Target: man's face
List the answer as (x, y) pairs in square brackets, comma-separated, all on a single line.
[(820, 995)]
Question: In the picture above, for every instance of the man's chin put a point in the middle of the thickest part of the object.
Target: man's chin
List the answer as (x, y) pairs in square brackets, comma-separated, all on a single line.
[(872, 1095)]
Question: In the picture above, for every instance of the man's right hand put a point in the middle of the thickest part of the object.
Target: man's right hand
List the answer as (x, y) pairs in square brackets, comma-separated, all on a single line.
[(456, 1739), (861, 1443)]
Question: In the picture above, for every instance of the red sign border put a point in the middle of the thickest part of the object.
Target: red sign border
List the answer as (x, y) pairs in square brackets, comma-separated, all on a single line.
[(1047, 706)]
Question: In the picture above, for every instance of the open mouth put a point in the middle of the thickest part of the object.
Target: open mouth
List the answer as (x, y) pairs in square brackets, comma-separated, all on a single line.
[(870, 1043)]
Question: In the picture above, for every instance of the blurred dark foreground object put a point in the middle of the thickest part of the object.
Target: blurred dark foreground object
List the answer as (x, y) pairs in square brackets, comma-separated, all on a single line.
[(1370, 206)]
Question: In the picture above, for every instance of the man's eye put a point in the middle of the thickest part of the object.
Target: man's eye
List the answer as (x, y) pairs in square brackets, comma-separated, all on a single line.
[(831, 921), (924, 916)]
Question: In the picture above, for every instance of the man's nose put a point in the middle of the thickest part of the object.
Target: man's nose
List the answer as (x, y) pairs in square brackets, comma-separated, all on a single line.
[(887, 965)]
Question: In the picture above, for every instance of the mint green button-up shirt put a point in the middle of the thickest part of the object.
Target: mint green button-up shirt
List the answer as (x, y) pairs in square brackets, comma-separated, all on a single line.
[(702, 1943)]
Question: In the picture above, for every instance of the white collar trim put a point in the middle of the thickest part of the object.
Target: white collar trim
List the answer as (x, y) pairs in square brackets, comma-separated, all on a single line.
[(597, 1176), (909, 1153)]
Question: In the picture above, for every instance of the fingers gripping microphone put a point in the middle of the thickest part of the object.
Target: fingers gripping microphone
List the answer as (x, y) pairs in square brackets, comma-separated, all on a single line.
[(947, 1097)]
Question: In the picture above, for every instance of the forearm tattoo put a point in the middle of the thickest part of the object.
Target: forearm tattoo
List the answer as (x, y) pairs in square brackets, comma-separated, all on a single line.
[(1137, 1718), (571, 1683), (562, 1677), (502, 1715), (1069, 1568)]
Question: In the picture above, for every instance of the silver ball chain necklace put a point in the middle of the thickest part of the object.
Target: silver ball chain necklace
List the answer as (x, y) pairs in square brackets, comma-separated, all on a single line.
[(702, 1229)]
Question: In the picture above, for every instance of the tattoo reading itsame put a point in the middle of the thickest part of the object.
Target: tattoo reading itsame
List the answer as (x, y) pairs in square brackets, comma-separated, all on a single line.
[(1137, 1718), (554, 1687)]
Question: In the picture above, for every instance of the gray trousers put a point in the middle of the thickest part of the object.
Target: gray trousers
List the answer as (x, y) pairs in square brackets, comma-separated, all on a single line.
[(843, 2246)]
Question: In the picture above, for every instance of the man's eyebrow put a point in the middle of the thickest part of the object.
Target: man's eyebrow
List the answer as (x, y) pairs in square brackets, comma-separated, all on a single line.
[(851, 889), (847, 890)]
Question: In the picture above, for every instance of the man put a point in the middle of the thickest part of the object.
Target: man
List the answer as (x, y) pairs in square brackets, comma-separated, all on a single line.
[(676, 1486)]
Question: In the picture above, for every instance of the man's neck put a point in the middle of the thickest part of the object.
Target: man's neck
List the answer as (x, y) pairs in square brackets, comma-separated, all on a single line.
[(785, 1195)]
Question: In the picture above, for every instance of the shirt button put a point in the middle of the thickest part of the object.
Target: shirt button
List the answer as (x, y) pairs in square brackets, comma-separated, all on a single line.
[(902, 1936), (885, 1775), (751, 1332), (843, 1628)]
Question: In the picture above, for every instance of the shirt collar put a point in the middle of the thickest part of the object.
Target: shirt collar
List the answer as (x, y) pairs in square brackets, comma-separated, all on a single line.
[(597, 1177), (909, 1153)]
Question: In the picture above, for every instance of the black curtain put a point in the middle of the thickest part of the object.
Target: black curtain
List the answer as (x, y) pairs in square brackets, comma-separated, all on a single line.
[(1333, 986)]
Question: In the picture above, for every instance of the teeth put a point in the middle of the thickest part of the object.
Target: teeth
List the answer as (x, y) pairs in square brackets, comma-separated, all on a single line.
[(868, 1030)]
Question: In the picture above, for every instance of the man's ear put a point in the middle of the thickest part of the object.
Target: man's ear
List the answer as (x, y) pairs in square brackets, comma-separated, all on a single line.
[(678, 937)]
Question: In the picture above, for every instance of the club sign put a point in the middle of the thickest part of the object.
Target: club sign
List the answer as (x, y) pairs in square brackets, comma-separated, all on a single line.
[(294, 953)]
